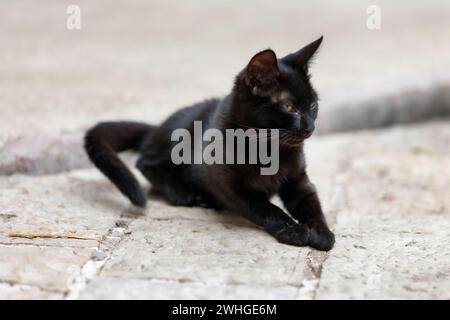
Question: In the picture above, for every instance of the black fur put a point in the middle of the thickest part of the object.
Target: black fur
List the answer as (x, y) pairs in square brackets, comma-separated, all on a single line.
[(268, 93), (104, 141)]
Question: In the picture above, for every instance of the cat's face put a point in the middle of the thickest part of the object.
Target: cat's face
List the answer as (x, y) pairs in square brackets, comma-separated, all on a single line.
[(277, 94)]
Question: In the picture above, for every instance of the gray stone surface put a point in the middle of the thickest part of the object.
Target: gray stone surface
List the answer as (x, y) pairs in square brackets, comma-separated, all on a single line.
[(393, 230), (24, 292), (385, 194), (47, 268), (389, 258), (207, 251), (38, 153), (55, 204), (120, 288)]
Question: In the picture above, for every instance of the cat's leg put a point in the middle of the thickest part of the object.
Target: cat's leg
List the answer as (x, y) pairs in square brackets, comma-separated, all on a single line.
[(166, 180), (177, 193), (173, 189), (258, 209), (302, 202), (180, 194)]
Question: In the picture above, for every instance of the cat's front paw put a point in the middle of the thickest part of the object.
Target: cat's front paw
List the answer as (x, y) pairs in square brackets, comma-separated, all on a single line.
[(321, 238), (293, 234)]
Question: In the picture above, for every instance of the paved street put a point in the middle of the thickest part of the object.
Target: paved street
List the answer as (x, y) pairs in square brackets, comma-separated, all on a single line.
[(390, 214), (385, 189)]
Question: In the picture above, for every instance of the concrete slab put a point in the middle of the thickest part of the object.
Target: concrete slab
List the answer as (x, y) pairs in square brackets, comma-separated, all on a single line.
[(54, 204), (388, 258), (393, 226), (210, 252), (23, 292), (384, 192), (120, 288), (47, 268)]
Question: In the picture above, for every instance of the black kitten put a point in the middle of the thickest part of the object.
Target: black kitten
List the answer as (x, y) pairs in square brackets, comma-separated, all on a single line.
[(269, 93)]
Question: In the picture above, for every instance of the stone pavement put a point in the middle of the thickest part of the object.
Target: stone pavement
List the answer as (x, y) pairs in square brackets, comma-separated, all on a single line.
[(385, 194)]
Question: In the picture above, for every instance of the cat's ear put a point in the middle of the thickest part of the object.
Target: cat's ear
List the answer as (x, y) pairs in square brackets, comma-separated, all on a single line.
[(302, 58), (262, 71)]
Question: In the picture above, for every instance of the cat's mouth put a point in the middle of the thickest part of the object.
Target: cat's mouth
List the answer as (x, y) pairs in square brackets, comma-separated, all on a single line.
[(307, 135), (294, 138)]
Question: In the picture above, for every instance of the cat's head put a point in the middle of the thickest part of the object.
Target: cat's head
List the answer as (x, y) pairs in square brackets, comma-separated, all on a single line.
[(277, 93)]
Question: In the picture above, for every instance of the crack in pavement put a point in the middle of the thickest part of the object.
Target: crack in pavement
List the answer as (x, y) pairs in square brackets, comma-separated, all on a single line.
[(315, 259), (102, 254)]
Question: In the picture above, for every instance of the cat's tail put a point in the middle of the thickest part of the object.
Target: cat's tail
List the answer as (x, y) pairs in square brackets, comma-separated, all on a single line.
[(104, 141)]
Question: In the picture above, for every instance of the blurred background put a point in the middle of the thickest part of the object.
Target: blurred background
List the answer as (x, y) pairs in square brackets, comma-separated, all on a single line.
[(143, 59), (385, 192)]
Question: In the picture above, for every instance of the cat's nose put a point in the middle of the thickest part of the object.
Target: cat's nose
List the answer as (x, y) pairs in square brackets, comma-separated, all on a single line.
[(306, 126), (308, 130)]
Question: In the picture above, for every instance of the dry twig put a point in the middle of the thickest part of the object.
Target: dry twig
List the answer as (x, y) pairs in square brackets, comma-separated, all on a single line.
[(49, 235)]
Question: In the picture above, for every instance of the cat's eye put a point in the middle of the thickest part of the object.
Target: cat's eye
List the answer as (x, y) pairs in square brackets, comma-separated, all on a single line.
[(289, 107)]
